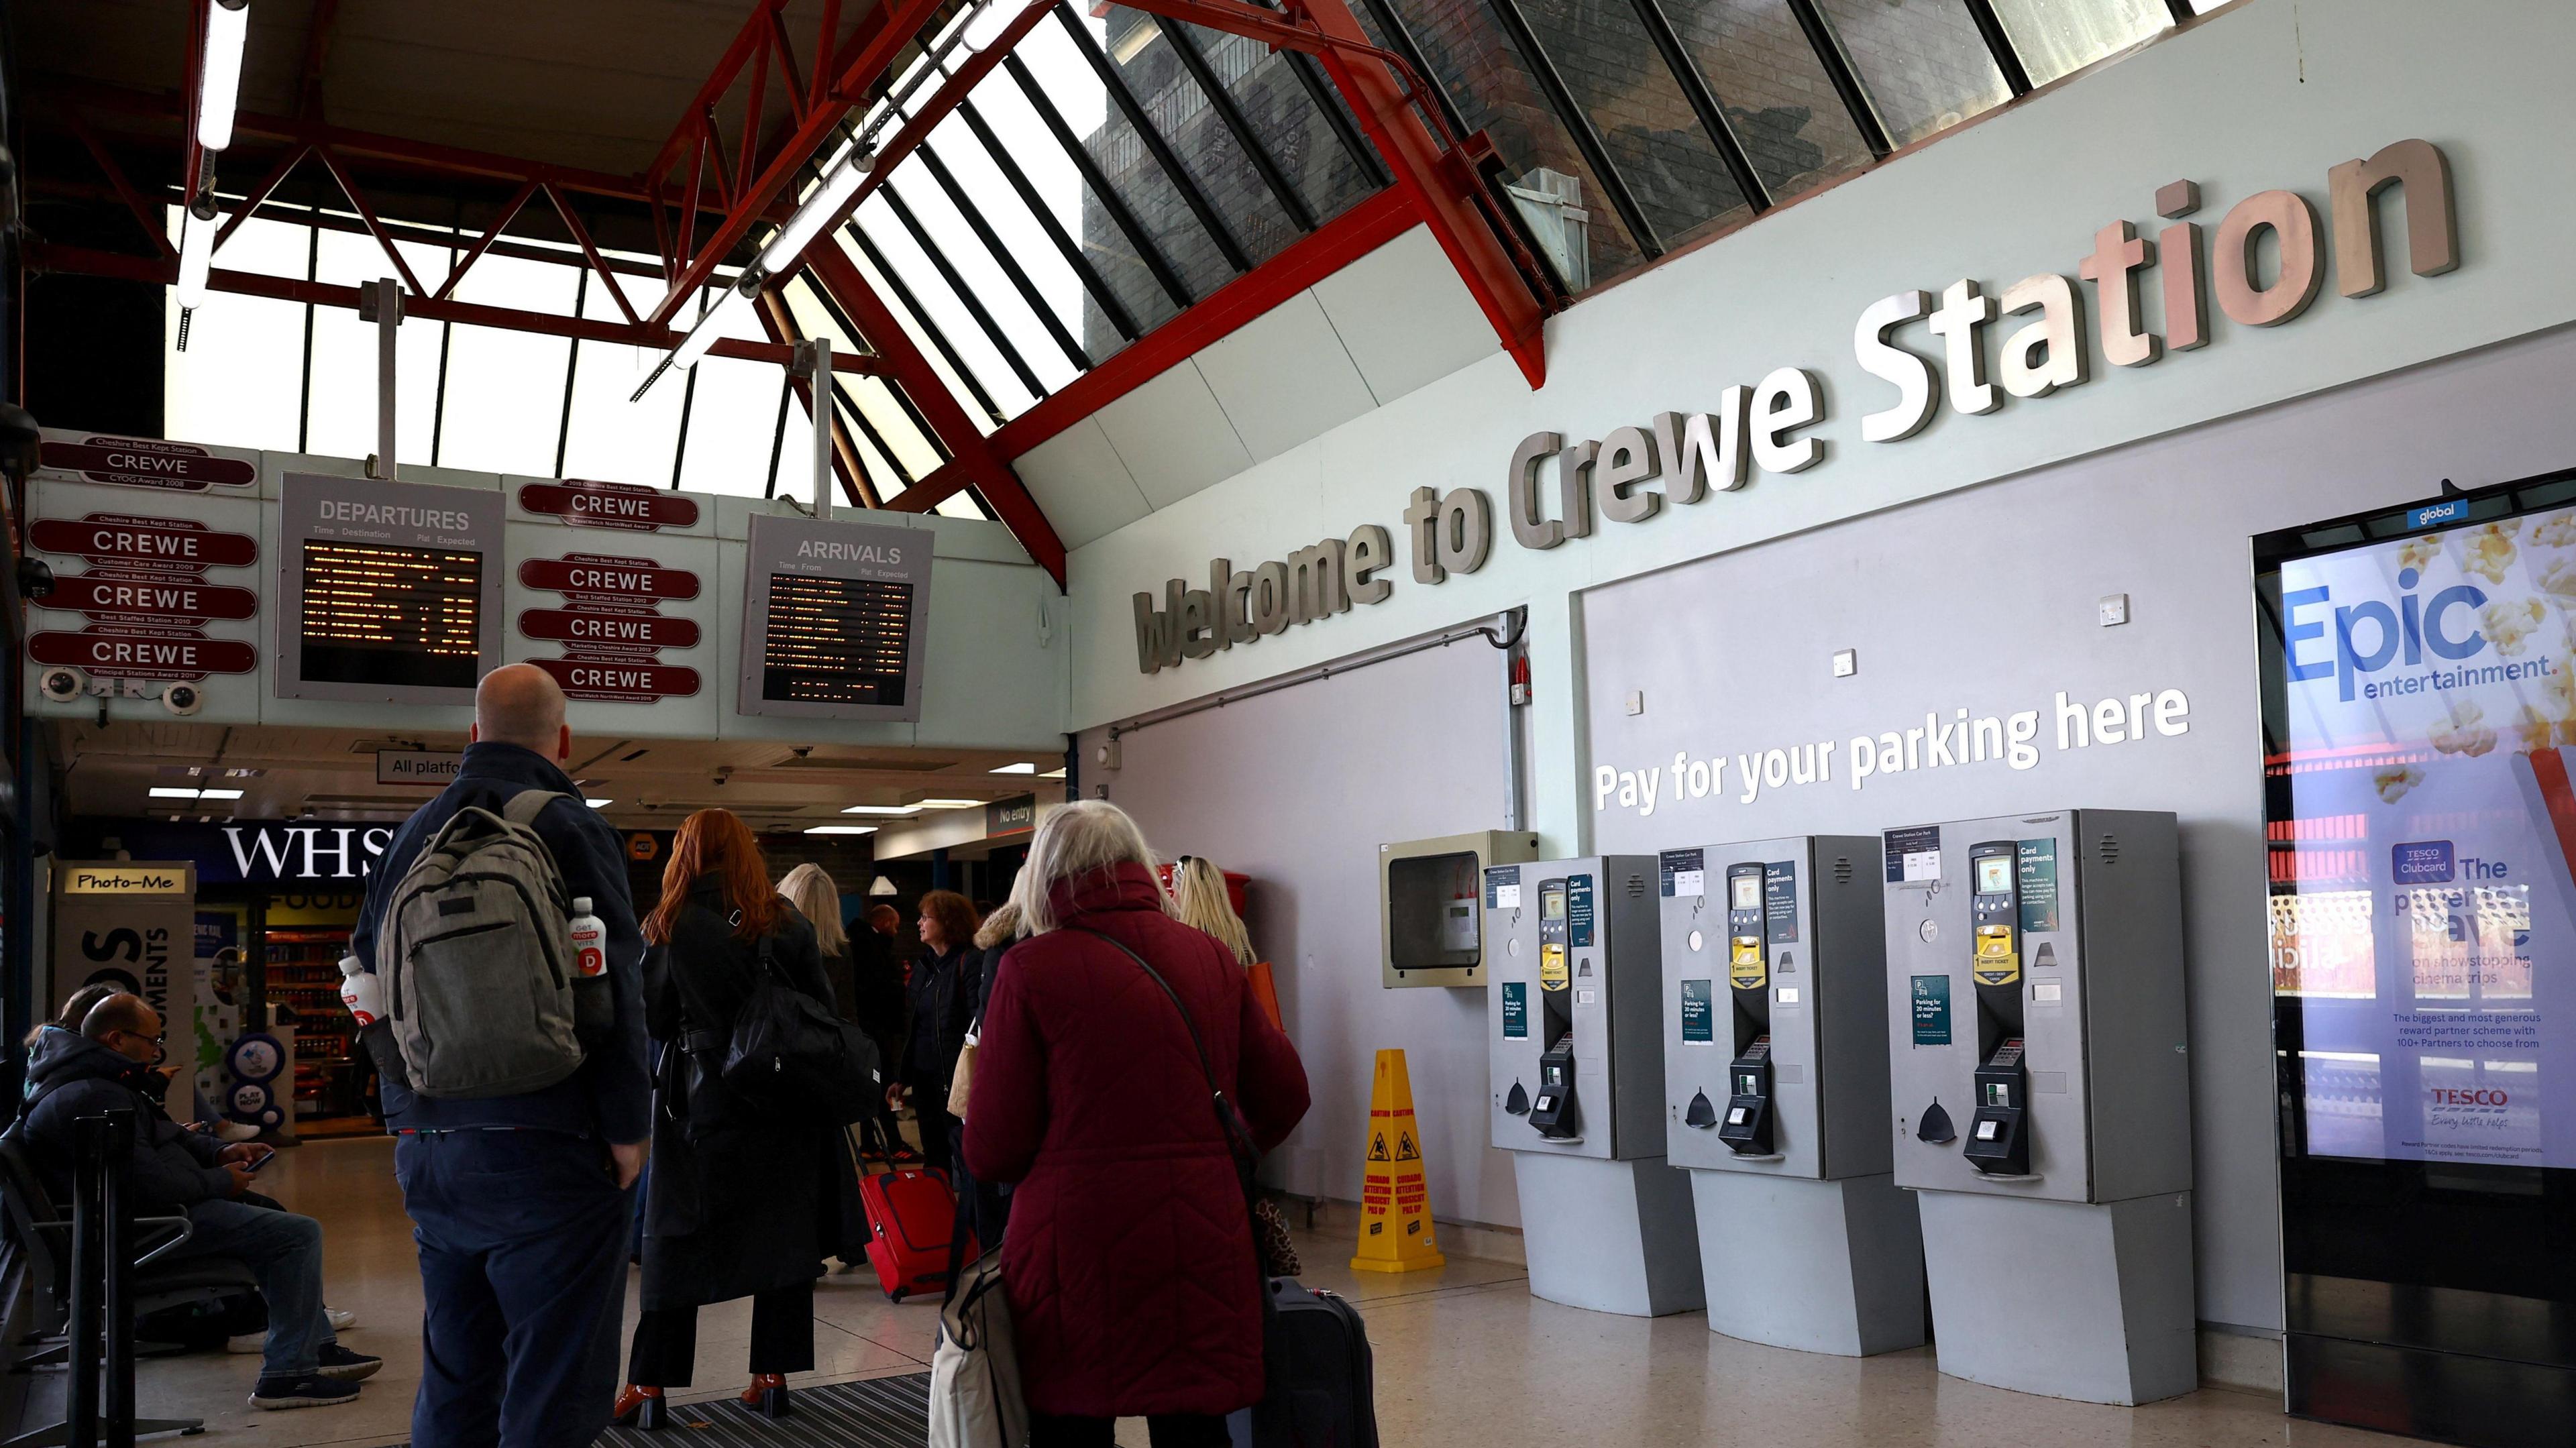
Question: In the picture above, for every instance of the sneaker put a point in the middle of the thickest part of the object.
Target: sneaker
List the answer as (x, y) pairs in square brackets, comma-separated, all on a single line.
[(235, 1131), (340, 1364), (340, 1318), (312, 1390)]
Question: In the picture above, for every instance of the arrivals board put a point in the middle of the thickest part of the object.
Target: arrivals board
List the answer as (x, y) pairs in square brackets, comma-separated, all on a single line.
[(834, 619), (392, 591)]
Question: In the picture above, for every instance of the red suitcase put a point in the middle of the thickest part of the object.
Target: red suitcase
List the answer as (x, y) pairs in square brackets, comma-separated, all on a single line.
[(910, 1217)]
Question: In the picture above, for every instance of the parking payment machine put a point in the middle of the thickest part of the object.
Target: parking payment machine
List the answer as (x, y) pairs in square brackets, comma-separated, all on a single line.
[(1775, 1092), (2042, 1107), (1576, 1061)]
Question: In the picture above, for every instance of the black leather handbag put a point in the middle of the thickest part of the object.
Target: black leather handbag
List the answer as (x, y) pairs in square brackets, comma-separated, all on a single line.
[(790, 1051)]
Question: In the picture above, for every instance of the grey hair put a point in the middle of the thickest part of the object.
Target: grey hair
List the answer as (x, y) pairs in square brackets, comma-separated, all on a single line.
[(1085, 838)]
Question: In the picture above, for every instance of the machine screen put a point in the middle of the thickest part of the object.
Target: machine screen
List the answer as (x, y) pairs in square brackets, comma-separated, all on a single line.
[(835, 640), (1994, 874), (380, 615), (1746, 892), (1551, 905)]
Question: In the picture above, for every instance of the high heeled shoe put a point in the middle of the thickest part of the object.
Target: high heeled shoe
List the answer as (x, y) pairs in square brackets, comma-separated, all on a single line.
[(639, 1407), (767, 1395)]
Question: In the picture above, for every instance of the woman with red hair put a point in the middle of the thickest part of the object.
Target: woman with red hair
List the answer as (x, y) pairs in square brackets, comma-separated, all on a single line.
[(744, 1198)]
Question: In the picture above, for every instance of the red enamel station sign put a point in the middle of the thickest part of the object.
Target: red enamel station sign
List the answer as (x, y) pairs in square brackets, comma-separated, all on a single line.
[(148, 462), (145, 596), (609, 505), (610, 628), (628, 578)]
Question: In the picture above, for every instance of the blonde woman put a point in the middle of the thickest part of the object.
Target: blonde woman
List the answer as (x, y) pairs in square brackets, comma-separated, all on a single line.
[(1199, 898), (811, 890)]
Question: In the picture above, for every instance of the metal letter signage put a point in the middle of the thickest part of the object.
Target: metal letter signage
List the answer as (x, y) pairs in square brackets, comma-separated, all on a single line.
[(1772, 423)]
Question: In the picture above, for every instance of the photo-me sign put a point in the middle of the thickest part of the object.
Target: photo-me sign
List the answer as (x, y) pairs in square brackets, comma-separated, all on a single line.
[(391, 591), (146, 462), (834, 617), (131, 924), (144, 597), (1555, 488), (609, 627)]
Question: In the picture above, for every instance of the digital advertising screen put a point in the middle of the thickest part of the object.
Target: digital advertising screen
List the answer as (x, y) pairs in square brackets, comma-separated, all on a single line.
[(834, 619), (2419, 675), (392, 591)]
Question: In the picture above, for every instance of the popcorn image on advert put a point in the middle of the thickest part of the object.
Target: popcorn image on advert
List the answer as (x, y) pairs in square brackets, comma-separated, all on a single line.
[(2556, 531), (2468, 732), (2487, 549), (2508, 623), (2558, 693), (2557, 577), (2538, 731), (2394, 781), (2418, 553)]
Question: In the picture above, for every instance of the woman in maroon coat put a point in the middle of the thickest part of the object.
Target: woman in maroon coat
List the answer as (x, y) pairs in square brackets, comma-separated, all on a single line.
[(1129, 1261)]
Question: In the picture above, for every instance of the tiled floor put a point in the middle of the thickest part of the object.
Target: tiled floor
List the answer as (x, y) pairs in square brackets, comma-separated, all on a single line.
[(1466, 1358)]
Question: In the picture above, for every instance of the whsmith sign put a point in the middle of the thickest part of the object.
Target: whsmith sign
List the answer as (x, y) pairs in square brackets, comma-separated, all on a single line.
[(1770, 424), (257, 852)]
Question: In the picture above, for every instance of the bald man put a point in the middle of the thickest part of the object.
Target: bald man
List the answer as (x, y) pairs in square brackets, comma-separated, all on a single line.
[(523, 1206)]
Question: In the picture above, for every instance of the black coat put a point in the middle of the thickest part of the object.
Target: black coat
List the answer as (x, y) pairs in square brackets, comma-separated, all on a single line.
[(70, 1076), (945, 990), (743, 1198), (877, 981)]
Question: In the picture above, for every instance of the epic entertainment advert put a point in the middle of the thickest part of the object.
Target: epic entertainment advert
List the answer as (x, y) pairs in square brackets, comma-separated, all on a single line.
[(2421, 831)]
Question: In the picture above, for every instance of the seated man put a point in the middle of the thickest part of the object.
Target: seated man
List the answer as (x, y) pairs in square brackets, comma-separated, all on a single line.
[(108, 1066)]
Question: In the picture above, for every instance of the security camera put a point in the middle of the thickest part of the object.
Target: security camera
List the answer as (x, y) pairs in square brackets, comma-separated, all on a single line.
[(35, 578), (62, 684), (183, 699)]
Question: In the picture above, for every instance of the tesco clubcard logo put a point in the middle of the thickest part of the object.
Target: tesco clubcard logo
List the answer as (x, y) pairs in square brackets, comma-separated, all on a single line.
[(2349, 642)]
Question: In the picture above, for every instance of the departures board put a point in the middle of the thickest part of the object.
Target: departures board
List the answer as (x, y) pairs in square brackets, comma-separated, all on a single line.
[(392, 591), (833, 619)]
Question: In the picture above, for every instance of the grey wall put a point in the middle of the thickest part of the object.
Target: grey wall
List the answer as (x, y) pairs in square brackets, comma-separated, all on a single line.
[(1297, 789), (1987, 598)]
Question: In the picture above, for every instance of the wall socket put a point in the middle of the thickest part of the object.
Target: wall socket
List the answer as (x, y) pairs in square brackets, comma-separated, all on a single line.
[(2115, 609), (1637, 702), (1846, 663)]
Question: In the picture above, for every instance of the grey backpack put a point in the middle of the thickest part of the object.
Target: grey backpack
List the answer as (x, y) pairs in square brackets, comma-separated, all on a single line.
[(475, 952)]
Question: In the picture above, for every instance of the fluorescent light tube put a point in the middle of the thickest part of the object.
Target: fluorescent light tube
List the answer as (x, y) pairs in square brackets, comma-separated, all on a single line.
[(883, 809), (219, 794), (703, 335), (219, 88), (987, 24), (163, 791), (599, 803), (842, 830), (1017, 769), (196, 252), (838, 185), (950, 803)]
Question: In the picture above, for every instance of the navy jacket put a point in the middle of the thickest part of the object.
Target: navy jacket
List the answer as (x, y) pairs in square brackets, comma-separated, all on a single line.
[(611, 1096), (70, 1076)]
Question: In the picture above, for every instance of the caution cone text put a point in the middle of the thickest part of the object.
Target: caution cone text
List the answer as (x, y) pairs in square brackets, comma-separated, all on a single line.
[(1395, 1206)]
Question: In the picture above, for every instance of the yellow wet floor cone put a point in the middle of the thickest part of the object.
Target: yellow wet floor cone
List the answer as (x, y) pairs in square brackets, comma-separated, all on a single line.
[(1395, 1205)]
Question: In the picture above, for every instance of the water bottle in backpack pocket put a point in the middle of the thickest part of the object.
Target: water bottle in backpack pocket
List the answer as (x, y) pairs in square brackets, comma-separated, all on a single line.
[(482, 988)]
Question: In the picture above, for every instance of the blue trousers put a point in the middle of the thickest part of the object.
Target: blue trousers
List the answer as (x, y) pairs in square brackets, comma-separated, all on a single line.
[(285, 1252), (523, 1238)]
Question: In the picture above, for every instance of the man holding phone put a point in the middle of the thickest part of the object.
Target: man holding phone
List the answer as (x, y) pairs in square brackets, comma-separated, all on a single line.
[(108, 1065)]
